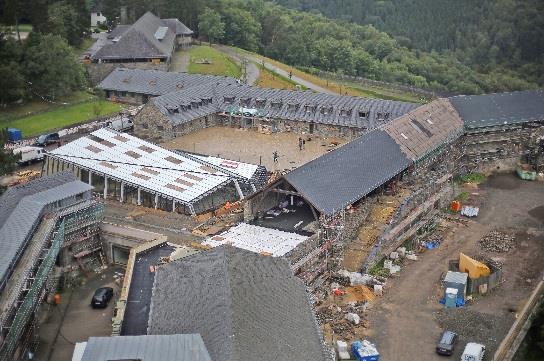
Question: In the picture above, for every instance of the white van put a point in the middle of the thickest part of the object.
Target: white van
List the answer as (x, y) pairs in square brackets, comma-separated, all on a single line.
[(29, 154), (473, 352)]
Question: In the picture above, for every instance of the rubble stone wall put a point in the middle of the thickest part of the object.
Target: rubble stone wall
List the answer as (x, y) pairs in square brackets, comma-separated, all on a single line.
[(98, 71)]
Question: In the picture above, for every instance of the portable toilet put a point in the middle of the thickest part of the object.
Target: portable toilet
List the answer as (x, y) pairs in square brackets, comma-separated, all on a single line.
[(364, 351), (457, 280), (451, 297), (14, 134)]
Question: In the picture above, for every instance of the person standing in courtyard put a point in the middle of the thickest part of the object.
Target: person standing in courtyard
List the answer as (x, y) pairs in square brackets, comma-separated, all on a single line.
[(275, 156), (299, 143)]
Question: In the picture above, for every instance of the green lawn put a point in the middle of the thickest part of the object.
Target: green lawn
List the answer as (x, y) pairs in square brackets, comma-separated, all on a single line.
[(220, 63), (61, 117)]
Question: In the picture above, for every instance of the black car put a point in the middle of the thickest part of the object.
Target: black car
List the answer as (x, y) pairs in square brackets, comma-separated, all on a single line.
[(446, 344), (47, 139), (101, 297)]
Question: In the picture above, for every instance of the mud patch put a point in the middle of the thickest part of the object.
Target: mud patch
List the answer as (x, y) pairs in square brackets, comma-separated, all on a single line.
[(503, 181), (538, 213)]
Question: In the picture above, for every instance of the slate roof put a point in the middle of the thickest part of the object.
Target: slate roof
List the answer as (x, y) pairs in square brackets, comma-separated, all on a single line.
[(489, 110), (244, 305), (25, 214), (346, 174), (146, 348), (426, 128), (138, 41), (178, 27), (289, 104), (155, 82)]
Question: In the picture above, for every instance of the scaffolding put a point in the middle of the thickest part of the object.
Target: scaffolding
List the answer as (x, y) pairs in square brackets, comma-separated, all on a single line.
[(31, 296)]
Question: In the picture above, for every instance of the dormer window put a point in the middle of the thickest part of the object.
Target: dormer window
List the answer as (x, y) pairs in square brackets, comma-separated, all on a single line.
[(245, 101), (292, 106), (345, 112), (276, 104), (228, 100), (260, 103), (363, 114), (309, 108)]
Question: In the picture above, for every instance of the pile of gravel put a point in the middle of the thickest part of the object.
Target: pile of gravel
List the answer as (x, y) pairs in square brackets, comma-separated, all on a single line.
[(496, 241), (472, 326)]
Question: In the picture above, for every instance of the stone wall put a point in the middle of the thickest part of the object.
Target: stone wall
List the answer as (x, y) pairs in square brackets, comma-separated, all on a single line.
[(98, 71), (152, 125)]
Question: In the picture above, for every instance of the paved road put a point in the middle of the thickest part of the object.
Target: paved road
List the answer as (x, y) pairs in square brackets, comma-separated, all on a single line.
[(253, 71), (274, 68)]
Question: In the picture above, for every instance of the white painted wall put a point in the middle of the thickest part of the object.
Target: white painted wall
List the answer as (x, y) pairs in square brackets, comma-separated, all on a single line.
[(97, 17)]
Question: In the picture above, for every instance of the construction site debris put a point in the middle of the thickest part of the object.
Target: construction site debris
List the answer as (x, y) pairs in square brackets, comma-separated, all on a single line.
[(364, 351), (378, 290), (360, 279), (411, 257), (353, 318), (401, 251), (394, 255), (496, 241), (469, 211)]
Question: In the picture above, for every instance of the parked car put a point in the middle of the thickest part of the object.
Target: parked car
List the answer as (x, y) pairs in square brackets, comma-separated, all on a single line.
[(120, 124), (473, 352), (101, 297), (446, 343), (29, 154), (47, 139)]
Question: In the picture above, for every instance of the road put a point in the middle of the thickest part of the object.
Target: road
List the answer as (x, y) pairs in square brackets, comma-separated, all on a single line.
[(253, 71), (253, 59)]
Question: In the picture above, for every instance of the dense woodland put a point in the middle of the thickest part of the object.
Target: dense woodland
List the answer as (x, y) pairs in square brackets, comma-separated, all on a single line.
[(488, 35), (45, 65)]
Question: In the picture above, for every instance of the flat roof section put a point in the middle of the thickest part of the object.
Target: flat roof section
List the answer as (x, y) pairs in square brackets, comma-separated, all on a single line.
[(257, 239), (489, 110), (141, 287)]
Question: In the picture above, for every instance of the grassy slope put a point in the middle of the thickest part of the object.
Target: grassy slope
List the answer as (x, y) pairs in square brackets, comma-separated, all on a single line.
[(269, 79), (220, 63), (59, 116), (344, 88)]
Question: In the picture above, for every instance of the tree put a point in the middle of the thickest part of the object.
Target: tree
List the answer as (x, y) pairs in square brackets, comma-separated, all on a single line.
[(242, 29), (7, 160), (211, 25), (12, 81), (63, 20), (51, 67)]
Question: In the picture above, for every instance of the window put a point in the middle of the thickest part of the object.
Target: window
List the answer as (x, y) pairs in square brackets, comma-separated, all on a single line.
[(160, 127), (363, 114), (133, 154), (98, 14), (123, 94)]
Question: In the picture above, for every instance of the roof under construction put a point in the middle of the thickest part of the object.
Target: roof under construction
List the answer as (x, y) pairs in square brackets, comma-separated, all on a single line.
[(177, 176), (498, 109), (257, 239), (244, 305), (426, 128)]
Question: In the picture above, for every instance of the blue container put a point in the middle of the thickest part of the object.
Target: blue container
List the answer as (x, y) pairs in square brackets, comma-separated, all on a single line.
[(14, 134), (364, 351)]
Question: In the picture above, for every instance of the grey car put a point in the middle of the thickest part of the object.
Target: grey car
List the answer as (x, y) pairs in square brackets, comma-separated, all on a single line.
[(447, 343)]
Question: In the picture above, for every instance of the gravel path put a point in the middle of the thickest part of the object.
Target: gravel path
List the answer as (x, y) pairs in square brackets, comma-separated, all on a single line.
[(253, 71)]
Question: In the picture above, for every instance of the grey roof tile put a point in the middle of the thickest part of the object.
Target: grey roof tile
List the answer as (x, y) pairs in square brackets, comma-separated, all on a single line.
[(188, 347), (138, 41), (177, 27), (246, 306), (155, 82), (489, 110), (25, 215), (346, 174), (378, 111)]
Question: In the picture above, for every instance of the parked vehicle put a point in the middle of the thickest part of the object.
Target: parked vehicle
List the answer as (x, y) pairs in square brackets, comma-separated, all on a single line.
[(47, 139), (120, 124), (473, 352), (29, 154), (446, 343), (101, 297)]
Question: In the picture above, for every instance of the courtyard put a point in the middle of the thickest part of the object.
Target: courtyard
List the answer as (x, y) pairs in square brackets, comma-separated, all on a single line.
[(251, 146)]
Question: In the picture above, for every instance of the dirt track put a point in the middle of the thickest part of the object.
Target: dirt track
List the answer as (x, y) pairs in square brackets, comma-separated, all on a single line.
[(404, 324)]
